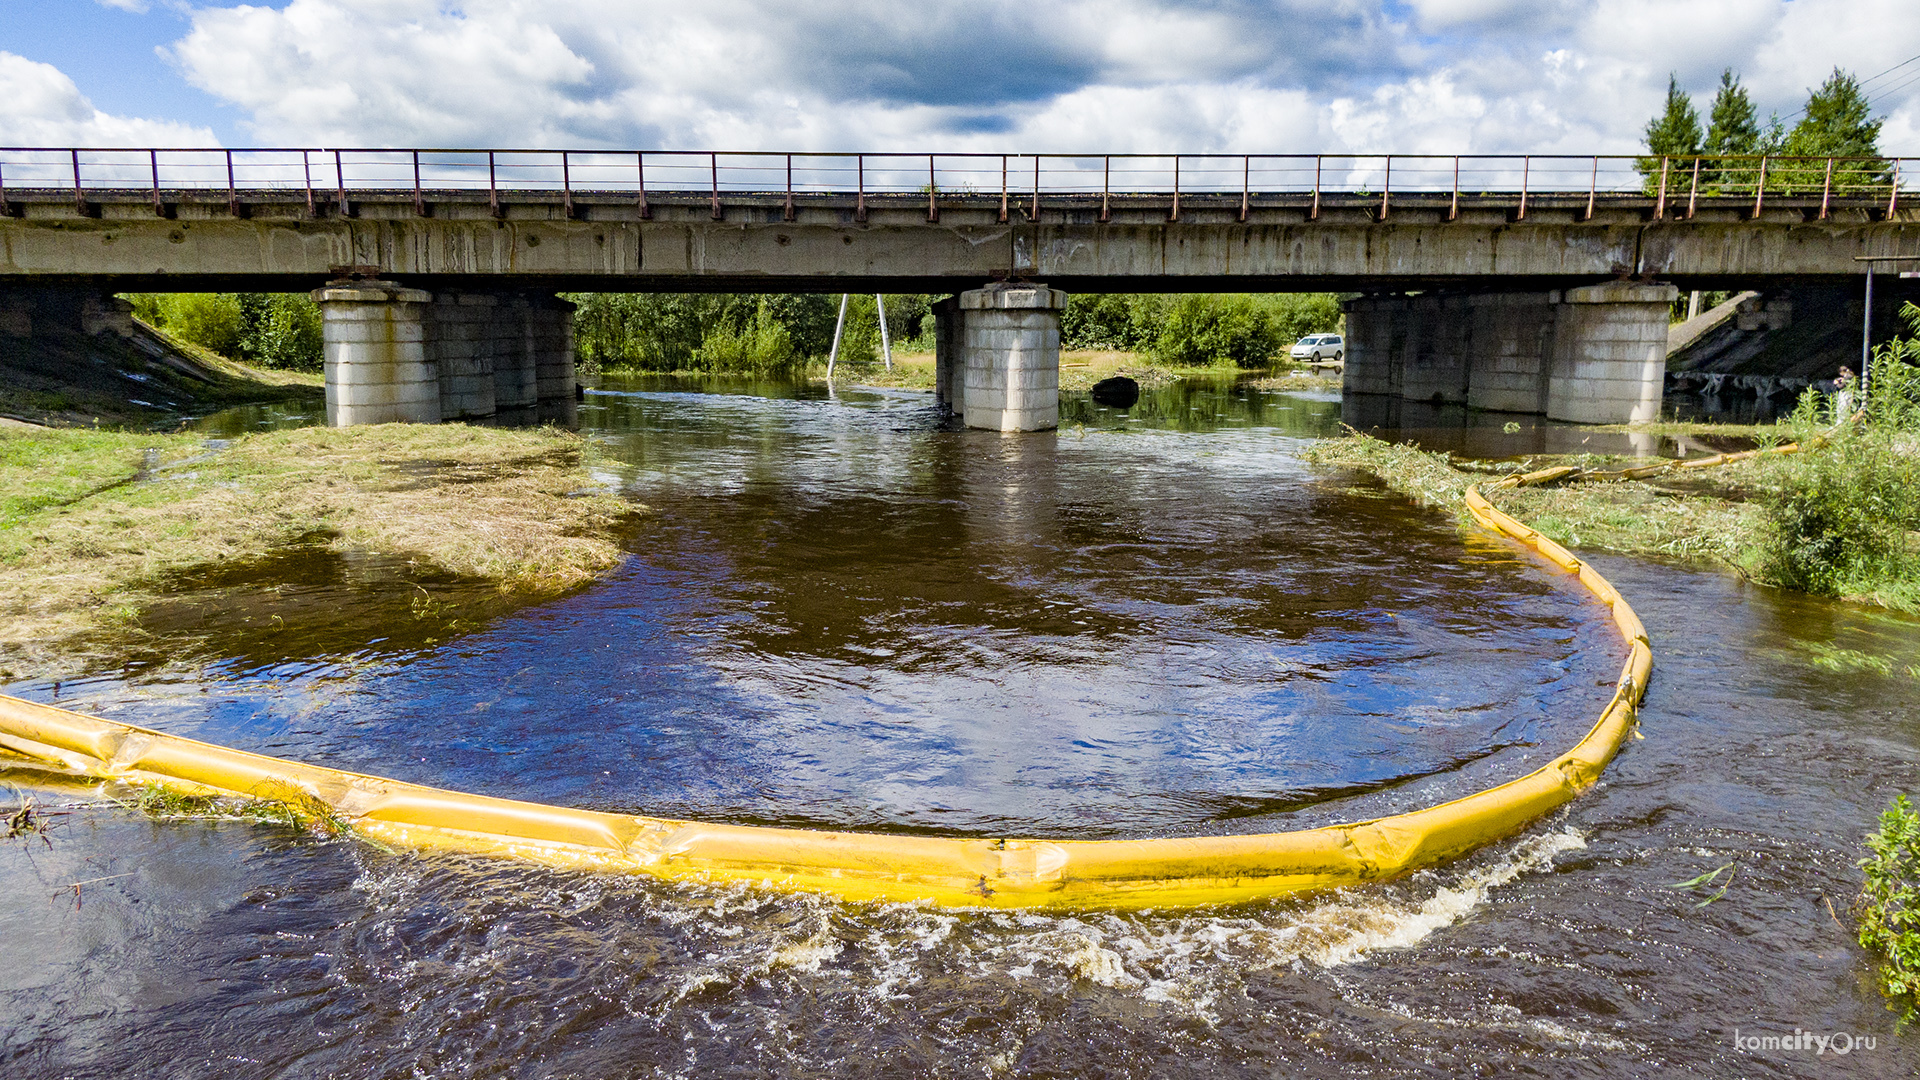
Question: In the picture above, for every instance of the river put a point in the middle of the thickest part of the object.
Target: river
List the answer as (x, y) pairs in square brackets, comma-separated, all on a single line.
[(843, 613)]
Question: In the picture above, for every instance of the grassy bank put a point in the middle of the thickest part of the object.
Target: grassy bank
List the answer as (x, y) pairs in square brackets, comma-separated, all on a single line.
[(93, 524)]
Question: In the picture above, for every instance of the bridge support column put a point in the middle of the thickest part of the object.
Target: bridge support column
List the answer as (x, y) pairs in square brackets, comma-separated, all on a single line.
[(1610, 353), (378, 371), (553, 374), (949, 388), (1593, 355), (1009, 337), (502, 355)]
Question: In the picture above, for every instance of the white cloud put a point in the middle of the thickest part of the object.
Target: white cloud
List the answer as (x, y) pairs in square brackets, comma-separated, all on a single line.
[(138, 7), (45, 108), (1358, 75)]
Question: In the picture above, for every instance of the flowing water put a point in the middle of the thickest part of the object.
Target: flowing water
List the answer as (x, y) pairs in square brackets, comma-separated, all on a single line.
[(843, 613)]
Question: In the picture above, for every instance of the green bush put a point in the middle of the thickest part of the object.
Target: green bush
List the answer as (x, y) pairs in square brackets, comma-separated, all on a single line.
[(1204, 331), (1890, 906), (272, 330), (696, 331), (761, 347)]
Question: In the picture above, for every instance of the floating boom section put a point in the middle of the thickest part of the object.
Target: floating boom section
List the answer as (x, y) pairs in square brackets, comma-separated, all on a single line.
[(954, 872)]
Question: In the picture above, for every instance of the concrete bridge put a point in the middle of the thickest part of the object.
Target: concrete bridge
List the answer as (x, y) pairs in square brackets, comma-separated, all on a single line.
[(1531, 284)]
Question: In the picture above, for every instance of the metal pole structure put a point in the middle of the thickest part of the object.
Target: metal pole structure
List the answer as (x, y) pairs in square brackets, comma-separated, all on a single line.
[(838, 325), (886, 346), (1866, 339)]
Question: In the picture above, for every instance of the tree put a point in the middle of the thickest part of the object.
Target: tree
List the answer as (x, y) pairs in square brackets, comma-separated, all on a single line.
[(1839, 122), (1674, 133), (1733, 131)]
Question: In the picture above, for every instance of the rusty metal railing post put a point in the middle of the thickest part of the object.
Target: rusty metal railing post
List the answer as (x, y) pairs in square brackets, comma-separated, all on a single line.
[(1106, 187), (933, 191), (1246, 184), (306, 176), (1175, 214), (493, 188), (566, 187), (340, 181), (1386, 188), (1526, 175), (1660, 204), (1034, 213), (1314, 213), (1453, 208), (640, 176), (1693, 189), (79, 196), (1826, 190), (860, 185), (233, 192), (1760, 188), (419, 203), (786, 208), (1003, 189), (6, 208), (1893, 193), (160, 208), (713, 175), (1593, 187)]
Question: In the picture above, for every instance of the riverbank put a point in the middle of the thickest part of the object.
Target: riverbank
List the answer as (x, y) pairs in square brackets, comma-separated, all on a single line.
[(98, 526), (1080, 369)]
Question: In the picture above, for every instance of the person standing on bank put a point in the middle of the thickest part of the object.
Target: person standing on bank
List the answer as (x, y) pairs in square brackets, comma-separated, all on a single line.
[(1843, 394)]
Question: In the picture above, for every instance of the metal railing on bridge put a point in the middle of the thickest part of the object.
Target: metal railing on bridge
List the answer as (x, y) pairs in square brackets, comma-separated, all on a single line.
[(1675, 186)]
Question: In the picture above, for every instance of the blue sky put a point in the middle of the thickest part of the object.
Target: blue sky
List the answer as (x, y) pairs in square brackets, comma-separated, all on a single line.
[(1443, 76)]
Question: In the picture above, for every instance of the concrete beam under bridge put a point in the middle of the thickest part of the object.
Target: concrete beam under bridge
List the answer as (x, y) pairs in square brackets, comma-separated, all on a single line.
[(1595, 355), (831, 246)]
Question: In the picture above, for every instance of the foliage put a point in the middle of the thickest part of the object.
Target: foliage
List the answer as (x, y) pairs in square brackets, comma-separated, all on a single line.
[(1733, 129), (1199, 330), (270, 330), (1837, 121), (716, 332), (762, 347), (1844, 514), (1890, 914), (1673, 133)]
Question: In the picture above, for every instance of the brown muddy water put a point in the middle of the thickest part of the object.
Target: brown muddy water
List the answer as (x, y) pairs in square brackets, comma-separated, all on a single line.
[(846, 614)]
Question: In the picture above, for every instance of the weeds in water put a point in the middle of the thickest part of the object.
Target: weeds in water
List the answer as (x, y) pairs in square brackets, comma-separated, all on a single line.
[(27, 820), (1707, 881), (1890, 906), (295, 810)]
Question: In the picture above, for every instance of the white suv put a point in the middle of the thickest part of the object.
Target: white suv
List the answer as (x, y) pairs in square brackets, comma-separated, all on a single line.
[(1315, 347)]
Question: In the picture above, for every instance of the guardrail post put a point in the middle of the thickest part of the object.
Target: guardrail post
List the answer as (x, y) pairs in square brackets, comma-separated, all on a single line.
[(786, 214), (1106, 185), (1003, 189), (1693, 189), (1034, 214), (640, 167), (1660, 204), (1760, 187), (79, 196), (1893, 196), (1826, 190), (6, 208), (713, 165), (1175, 214), (1386, 188), (1453, 209), (493, 189), (566, 187), (160, 208), (860, 183), (1314, 214), (306, 179), (1246, 184), (1526, 174), (419, 204), (1593, 187), (340, 181), (233, 192), (933, 191)]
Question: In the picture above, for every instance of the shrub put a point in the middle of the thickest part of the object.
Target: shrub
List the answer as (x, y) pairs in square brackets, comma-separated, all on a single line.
[(1890, 905), (761, 347), (1204, 330), (273, 330)]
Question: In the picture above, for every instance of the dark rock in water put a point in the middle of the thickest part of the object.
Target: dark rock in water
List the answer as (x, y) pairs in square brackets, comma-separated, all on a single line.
[(1118, 392)]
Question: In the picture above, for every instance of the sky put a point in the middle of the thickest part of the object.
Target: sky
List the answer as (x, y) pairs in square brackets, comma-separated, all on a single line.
[(1071, 76)]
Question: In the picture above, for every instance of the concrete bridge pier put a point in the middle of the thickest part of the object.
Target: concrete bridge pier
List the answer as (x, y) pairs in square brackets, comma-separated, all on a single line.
[(375, 345), (1595, 354), (399, 354), (997, 356)]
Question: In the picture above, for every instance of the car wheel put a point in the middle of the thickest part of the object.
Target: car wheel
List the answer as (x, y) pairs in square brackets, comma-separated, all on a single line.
[(1339, 357)]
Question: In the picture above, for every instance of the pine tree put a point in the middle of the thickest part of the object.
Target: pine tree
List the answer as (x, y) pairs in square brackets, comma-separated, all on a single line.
[(1674, 133), (1838, 123), (1733, 131)]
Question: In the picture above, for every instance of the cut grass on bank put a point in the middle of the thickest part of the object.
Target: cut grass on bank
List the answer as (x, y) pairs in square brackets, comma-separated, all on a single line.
[(92, 524), (1705, 517)]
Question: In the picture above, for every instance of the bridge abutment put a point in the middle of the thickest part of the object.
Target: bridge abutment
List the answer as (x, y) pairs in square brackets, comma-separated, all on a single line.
[(1593, 355), (374, 336), (1005, 356)]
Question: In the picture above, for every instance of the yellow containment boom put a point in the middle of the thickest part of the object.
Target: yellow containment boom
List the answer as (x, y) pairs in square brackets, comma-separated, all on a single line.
[(957, 872)]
